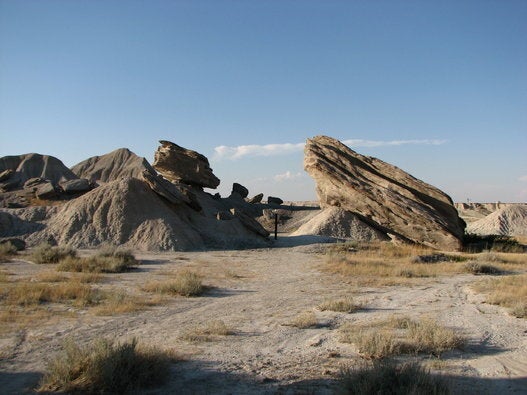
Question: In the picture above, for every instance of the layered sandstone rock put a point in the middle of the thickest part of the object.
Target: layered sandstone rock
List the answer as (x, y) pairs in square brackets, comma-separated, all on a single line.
[(382, 196), (178, 164)]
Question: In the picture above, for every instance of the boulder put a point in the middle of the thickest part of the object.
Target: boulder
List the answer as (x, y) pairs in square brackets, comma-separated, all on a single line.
[(178, 164), (46, 191), (240, 190), (256, 199), (274, 200), (382, 195), (76, 186)]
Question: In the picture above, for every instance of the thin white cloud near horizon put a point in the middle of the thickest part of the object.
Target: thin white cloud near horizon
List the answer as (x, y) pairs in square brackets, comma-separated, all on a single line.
[(241, 151)]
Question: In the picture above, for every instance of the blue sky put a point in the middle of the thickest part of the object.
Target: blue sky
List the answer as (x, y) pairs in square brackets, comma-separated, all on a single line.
[(436, 88)]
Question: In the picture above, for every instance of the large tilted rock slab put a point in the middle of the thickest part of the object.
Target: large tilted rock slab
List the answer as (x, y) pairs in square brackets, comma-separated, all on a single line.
[(112, 166), (382, 195), (178, 164)]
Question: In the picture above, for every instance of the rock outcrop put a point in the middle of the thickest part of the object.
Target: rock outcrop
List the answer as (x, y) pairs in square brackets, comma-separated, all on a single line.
[(112, 166), (28, 166), (382, 196), (178, 164)]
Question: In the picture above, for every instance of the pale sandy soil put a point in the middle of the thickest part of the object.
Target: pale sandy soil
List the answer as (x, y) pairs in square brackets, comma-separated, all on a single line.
[(257, 293)]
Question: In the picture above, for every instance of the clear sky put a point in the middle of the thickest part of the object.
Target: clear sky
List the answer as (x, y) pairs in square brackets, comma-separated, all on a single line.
[(438, 88)]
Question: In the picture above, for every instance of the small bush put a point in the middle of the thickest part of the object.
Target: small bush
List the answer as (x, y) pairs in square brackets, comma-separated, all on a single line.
[(207, 332), (343, 305), (371, 344), (186, 283), (98, 264), (106, 367), (478, 268), (7, 250), (45, 253), (385, 377), (305, 320), (427, 336)]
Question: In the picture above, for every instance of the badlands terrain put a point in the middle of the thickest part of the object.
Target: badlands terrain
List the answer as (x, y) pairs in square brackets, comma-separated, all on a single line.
[(383, 267)]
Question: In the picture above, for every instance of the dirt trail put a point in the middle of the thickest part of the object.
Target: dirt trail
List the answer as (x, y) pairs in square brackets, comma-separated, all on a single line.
[(257, 293)]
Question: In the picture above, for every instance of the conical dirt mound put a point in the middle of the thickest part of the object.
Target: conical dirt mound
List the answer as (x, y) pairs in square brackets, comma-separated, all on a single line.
[(115, 165), (508, 221)]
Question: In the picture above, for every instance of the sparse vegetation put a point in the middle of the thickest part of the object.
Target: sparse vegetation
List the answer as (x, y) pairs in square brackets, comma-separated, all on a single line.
[(46, 253), (476, 243), (400, 336), (479, 268), (386, 377), (185, 283), (304, 320), (208, 332), (106, 367), (343, 305), (510, 292), (7, 250)]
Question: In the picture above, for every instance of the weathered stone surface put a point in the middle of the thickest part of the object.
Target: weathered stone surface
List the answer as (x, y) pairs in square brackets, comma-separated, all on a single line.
[(249, 222), (76, 186), (175, 194), (274, 200), (382, 195), (121, 163), (256, 199), (240, 190), (46, 191), (178, 164), (6, 174)]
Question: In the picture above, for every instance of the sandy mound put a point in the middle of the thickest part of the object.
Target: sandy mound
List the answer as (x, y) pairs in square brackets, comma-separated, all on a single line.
[(127, 212), (336, 222), (112, 166), (508, 221), (29, 166)]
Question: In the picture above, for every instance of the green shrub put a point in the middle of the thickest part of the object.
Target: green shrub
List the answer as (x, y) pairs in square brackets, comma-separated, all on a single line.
[(45, 253), (386, 377), (106, 367)]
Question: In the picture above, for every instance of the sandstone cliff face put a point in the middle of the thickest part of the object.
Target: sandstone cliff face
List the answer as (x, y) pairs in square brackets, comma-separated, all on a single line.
[(382, 195), (178, 164)]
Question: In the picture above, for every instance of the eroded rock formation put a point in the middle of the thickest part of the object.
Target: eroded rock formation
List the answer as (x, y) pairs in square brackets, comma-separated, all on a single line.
[(382, 196), (178, 164)]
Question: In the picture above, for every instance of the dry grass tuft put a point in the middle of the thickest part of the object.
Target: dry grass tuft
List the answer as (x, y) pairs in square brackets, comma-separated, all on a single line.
[(105, 262), (106, 367), (7, 250), (46, 253), (185, 283), (343, 305), (304, 320), (386, 377), (396, 336), (510, 292), (208, 332)]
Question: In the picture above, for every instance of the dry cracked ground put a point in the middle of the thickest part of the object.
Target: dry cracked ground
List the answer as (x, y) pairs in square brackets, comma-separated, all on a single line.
[(258, 294)]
